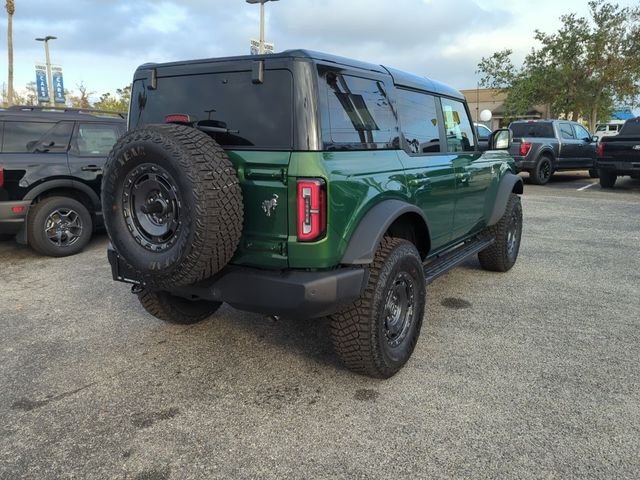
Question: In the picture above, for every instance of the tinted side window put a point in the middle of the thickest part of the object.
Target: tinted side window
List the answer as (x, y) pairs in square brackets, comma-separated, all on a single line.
[(581, 133), (566, 131), (22, 137), (357, 113), (255, 115), (57, 138), (458, 126), (419, 121), (94, 139)]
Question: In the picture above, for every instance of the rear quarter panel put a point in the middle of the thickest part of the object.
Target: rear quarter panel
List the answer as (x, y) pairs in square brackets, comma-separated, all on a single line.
[(356, 181)]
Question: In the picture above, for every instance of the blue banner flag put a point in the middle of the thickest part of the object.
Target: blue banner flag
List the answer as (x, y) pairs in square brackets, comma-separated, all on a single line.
[(42, 86), (58, 85)]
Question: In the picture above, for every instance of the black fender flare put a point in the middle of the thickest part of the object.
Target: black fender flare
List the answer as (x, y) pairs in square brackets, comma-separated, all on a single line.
[(546, 151), (64, 183), (510, 183), (369, 232)]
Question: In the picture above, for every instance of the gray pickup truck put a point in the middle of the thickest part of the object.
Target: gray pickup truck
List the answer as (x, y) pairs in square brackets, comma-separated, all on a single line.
[(542, 147), (620, 154)]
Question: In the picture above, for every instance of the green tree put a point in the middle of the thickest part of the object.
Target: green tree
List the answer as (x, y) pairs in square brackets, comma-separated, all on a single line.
[(81, 100), (583, 69), (117, 103)]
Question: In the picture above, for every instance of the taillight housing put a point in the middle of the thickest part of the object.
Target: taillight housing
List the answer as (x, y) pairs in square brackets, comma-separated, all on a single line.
[(524, 148), (1, 177), (312, 209), (600, 149)]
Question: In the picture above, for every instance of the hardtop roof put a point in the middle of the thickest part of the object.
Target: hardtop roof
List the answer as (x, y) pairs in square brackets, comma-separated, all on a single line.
[(400, 77)]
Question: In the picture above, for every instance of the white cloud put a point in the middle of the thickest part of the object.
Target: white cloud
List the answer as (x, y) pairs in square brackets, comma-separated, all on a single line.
[(101, 42)]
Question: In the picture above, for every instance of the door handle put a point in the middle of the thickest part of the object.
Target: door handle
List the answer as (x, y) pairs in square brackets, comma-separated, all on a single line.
[(91, 168)]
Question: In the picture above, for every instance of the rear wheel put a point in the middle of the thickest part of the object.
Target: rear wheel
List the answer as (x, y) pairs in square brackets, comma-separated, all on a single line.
[(376, 335), (607, 178), (174, 309), (59, 226), (543, 170), (503, 253)]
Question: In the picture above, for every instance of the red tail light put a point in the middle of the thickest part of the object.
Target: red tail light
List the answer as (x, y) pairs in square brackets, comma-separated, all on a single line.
[(600, 149), (524, 148), (312, 209), (1, 177), (177, 118)]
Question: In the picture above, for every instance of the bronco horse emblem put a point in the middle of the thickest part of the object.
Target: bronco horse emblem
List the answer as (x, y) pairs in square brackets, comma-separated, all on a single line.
[(269, 205)]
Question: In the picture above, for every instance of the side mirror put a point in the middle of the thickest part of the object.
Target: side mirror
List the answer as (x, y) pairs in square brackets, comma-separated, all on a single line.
[(500, 139), (595, 139)]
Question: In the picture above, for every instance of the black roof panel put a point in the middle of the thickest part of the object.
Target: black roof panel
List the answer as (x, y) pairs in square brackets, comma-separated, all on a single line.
[(400, 77)]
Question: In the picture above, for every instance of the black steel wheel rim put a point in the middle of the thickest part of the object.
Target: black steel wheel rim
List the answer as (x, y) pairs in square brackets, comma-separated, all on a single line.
[(399, 309), (513, 231), (63, 227), (545, 169), (151, 207)]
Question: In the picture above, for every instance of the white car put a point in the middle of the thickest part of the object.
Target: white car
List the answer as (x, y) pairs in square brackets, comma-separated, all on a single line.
[(608, 129)]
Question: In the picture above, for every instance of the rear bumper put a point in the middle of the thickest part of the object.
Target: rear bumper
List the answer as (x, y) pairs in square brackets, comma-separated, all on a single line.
[(11, 222), (523, 163), (291, 292), (619, 167)]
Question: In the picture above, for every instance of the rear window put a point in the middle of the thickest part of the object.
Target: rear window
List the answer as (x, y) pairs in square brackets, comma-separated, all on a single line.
[(256, 115), (532, 129)]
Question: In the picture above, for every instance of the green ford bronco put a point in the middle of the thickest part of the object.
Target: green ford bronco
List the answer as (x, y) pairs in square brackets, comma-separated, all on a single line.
[(307, 185)]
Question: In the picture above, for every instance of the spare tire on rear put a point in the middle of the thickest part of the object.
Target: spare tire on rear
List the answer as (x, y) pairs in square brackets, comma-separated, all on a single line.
[(172, 204)]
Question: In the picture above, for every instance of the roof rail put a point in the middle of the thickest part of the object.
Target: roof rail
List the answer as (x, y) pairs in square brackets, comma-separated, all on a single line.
[(40, 108)]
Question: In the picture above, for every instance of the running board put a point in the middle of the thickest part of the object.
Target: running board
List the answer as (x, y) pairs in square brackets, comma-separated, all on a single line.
[(452, 258)]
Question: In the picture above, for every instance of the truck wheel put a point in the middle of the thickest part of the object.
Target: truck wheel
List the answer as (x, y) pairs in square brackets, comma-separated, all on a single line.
[(172, 204), (59, 226), (593, 173), (376, 335), (503, 253), (174, 309), (607, 178), (543, 170)]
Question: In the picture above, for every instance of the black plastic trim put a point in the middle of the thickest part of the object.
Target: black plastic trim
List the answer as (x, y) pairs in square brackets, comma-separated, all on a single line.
[(367, 236), (507, 185), (64, 183), (292, 292)]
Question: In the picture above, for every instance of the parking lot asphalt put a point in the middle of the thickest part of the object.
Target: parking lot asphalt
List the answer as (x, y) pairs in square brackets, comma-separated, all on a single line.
[(530, 374)]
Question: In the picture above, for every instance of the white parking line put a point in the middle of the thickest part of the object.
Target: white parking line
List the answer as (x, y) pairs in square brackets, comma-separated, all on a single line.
[(587, 186)]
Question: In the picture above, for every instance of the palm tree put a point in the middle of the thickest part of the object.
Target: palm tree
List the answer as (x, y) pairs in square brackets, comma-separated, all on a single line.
[(11, 9)]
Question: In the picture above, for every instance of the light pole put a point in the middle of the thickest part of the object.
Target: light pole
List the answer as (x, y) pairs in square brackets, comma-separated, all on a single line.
[(261, 2), (46, 51)]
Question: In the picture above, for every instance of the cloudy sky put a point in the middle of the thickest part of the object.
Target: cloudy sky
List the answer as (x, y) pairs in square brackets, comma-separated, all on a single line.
[(100, 42)]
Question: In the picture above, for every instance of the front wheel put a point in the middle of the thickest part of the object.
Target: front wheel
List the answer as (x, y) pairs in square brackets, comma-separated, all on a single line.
[(607, 178), (376, 335), (174, 309), (503, 253)]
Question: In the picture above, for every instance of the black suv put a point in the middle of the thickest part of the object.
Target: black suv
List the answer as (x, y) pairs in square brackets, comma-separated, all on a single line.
[(50, 174)]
